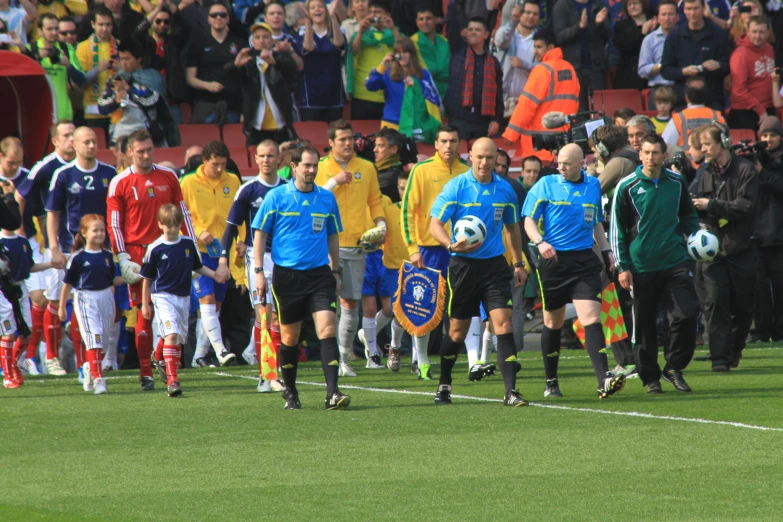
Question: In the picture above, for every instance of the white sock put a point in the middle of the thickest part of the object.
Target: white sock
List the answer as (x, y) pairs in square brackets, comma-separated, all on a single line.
[(473, 341), (381, 320), (486, 345), (211, 325), (368, 325), (421, 348), (250, 351), (346, 331), (396, 336), (202, 342), (110, 356)]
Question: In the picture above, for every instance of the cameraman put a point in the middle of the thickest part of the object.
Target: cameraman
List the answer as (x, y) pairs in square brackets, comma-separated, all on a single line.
[(769, 308), (727, 204)]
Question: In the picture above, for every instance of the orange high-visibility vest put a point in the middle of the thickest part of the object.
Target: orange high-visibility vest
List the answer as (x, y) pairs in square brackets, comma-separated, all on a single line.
[(693, 118), (551, 86)]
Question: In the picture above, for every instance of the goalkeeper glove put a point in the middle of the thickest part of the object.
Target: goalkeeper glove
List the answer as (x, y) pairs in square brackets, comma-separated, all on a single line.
[(128, 269)]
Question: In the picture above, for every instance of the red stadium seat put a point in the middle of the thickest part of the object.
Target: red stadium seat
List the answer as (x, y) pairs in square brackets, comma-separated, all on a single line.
[(186, 111), (198, 134), (247, 173), (106, 156), (651, 114), (609, 101), (239, 155), (366, 126), (738, 135), (101, 141), (427, 150), (646, 97), (233, 135), (175, 155), (313, 131)]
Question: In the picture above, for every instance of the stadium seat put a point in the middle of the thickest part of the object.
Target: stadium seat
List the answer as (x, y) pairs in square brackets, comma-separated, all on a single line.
[(738, 135), (233, 135), (366, 127), (101, 141), (313, 131), (199, 134), (651, 114), (247, 173), (106, 156), (609, 101), (239, 155), (427, 150), (646, 97), (175, 155), (501, 144), (186, 111)]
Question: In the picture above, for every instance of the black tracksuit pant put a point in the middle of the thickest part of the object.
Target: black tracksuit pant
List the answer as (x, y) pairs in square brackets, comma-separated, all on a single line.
[(727, 300), (674, 287), (769, 295)]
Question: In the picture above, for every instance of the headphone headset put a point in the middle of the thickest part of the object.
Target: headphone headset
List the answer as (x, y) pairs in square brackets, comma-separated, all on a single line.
[(600, 148), (725, 135)]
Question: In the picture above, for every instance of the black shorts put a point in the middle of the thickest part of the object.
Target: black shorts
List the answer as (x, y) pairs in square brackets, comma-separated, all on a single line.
[(299, 293), (476, 281), (575, 275)]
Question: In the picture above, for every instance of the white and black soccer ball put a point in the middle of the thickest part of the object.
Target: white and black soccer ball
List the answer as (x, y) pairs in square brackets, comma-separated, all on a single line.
[(470, 228), (703, 245)]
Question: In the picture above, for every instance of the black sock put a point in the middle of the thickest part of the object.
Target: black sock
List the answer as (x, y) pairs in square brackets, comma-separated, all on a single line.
[(289, 359), (507, 360), (596, 349), (448, 358), (550, 349), (330, 360)]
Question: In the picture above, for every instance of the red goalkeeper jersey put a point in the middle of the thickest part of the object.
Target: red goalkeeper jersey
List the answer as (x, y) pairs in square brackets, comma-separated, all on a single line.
[(133, 203)]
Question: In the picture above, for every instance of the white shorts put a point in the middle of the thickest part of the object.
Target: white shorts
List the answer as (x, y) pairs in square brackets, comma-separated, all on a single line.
[(94, 310), (352, 262), (37, 280), (54, 279), (171, 315), (250, 268), (7, 320)]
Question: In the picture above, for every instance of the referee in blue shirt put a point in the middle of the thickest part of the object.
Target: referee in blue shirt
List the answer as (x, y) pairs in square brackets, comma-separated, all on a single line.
[(478, 274), (567, 208), (304, 221)]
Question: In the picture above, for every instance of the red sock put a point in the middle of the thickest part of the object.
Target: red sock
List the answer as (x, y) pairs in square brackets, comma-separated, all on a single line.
[(144, 344), (78, 344), (19, 346), (274, 334), (36, 330), (257, 342), (6, 349), (95, 358), (171, 355), (159, 350), (52, 332)]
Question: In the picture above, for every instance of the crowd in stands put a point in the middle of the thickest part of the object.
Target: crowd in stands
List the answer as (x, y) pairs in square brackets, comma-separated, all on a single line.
[(120, 66)]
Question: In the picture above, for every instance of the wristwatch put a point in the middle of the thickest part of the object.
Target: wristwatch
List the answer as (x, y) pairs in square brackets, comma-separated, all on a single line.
[(339, 272), (258, 269), (539, 241), (519, 265)]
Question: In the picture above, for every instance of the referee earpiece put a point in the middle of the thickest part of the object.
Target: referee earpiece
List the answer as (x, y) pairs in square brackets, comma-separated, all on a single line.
[(599, 146), (725, 134)]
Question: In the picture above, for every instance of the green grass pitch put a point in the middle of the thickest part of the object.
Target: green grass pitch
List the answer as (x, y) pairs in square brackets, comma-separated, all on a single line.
[(226, 453)]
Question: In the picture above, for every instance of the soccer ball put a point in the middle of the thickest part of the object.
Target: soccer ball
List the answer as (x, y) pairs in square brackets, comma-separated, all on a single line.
[(471, 229), (703, 245)]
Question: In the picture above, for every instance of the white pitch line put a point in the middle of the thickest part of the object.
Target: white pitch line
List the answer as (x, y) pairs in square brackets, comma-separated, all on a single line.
[(537, 405)]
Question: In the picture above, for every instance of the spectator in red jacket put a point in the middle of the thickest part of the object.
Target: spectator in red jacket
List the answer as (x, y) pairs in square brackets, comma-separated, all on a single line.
[(752, 64)]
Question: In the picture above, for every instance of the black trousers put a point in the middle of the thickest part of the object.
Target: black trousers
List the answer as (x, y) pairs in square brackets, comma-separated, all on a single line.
[(471, 130), (366, 110), (327, 115), (623, 350), (588, 79), (769, 295), (727, 300), (674, 287), (278, 136)]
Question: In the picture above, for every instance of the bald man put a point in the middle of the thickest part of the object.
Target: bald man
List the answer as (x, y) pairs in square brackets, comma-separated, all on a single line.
[(568, 209), (478, 273), (78, 188)]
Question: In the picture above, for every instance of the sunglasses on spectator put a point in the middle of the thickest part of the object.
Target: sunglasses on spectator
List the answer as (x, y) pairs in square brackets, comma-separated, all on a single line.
[(67, 33), (162, 21), (221, 14)]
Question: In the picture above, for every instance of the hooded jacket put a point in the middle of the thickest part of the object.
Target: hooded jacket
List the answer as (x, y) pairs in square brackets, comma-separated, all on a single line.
[(751, 83), (770, 223)]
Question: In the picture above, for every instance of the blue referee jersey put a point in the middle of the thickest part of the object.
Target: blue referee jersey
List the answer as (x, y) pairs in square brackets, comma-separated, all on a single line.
[(300, 223), (78, 192), (565, 211), (247, 201), (34, 189), (494, 203), (90, 270), (169, 265), (20, 256)]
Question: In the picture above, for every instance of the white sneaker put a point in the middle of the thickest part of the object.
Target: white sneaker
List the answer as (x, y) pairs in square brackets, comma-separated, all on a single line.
[(31, 367), (54, 367), (374, 362), (87, 383), (100, 386), (263, 386), (250, 357), (346, 370), (277, 386), (226, 358)]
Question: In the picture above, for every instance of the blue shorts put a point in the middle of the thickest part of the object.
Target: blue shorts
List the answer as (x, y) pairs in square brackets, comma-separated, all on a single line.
[(391, 280), (205, 286), (121, 298), (483, 313), (375, 283), (437, 258)]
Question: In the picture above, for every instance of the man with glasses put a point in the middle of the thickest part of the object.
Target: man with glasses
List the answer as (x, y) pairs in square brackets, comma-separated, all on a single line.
[(68, 31), (215, 98)]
